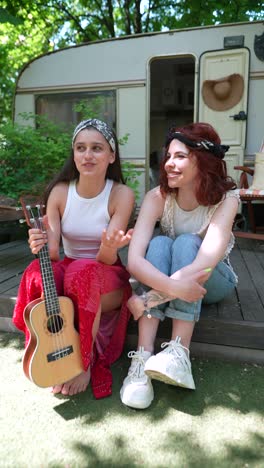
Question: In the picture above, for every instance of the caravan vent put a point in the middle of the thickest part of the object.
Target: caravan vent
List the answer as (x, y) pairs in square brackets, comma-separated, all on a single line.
[(233, 41)]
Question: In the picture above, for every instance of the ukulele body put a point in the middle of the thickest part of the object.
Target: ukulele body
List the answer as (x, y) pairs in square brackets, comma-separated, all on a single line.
[(52, 356)]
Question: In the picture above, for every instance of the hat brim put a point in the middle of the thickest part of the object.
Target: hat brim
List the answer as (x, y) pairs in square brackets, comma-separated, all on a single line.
[(215, 103)]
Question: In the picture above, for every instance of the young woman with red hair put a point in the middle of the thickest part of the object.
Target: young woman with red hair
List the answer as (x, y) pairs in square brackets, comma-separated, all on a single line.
[(187, 264)]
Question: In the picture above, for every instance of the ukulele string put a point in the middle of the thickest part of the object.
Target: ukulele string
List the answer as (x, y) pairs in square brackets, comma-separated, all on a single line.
[(53, 319)]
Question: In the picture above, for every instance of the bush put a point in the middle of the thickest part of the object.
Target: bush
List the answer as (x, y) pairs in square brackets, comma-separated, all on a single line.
[(30, 157)]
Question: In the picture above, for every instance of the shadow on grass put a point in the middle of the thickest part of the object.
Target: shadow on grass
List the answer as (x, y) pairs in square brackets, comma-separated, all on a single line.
[(118, 455), (14, 340), (219, 384), (182, 448), (192, 454)]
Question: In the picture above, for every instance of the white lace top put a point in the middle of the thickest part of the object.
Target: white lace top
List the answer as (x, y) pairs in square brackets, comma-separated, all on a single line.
[(175, 221)]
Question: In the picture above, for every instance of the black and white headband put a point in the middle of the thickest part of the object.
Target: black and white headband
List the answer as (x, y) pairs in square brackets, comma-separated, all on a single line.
[(217, 150), (100, 126)]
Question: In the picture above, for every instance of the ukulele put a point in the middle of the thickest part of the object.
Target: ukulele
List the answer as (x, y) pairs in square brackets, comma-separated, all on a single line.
[(52, 356)]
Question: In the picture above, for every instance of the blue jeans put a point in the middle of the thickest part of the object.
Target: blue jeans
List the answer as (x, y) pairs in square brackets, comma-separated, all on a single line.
[(169, 256)]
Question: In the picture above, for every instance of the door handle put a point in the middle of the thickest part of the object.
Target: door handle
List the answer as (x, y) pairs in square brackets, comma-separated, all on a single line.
[(240, 116)]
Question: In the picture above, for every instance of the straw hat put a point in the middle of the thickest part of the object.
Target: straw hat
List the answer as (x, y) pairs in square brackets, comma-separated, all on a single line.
[(224, 93)]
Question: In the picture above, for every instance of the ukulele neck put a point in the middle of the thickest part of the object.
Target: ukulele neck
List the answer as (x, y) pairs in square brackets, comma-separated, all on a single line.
[(49, 286)]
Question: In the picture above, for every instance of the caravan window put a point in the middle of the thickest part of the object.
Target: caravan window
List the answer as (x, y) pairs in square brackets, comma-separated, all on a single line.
[(66, 107)]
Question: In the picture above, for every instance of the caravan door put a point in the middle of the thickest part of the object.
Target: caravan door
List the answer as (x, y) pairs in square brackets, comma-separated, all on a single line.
[(225, 106)]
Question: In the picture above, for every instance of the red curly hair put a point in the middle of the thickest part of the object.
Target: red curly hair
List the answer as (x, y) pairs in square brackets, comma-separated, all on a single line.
[(212, 181)]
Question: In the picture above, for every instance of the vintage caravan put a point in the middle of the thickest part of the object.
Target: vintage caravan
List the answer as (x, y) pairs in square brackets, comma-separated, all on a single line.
[(150, 81)]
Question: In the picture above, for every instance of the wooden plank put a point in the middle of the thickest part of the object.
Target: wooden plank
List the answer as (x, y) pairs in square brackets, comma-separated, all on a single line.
[(209, 311), (259, 251), (10, 286), (256, 272), (14, 269), (7, 325), (8, 257), (251, 306), (247, 334), (249, 235), (6, 306), (10, 245), (229, 308), (211, 351), (244, 334)]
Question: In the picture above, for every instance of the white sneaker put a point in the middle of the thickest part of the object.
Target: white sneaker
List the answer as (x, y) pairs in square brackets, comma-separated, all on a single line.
[(172, 365), (137, 390)]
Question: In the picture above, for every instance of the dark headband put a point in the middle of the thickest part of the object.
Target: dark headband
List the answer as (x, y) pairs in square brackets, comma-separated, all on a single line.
[(217, 150)]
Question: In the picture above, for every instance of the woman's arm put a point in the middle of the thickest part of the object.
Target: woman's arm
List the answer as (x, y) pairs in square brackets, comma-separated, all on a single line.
[(138, 304), (216, 240), (121, 204), (51, 224), (151, 211)]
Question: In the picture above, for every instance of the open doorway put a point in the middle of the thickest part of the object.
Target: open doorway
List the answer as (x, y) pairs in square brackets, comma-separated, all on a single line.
[(172, 82)]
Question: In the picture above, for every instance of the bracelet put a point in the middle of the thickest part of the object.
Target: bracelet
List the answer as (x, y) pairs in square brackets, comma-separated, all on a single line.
[(145, 300)]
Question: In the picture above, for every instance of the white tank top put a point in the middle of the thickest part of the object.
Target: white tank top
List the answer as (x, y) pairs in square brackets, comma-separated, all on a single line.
[(83, 221)]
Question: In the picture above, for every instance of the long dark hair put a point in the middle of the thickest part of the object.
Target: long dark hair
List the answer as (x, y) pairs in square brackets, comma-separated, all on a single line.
[(69, 171), (212, 181)]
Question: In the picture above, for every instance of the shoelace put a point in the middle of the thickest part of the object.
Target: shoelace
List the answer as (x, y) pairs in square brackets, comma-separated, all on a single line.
[(137, 365), (175, 348)]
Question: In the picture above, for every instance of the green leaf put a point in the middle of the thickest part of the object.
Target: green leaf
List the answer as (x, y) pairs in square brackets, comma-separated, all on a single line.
[(6, 17)]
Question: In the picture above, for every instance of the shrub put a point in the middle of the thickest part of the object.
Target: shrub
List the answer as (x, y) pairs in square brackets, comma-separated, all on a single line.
[(30, 157)]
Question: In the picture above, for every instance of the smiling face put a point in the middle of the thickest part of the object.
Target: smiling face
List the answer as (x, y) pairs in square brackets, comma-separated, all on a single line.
[(180, 166), (92, 153)]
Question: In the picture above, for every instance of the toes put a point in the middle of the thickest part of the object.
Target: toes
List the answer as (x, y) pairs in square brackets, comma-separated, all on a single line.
[(56, 389), (66, 389)]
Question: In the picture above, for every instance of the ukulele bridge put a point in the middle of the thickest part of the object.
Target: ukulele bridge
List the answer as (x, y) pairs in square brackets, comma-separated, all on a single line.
[(61, 353)]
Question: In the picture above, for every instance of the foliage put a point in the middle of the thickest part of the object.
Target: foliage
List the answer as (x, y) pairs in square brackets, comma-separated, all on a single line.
[(91, 109), (30, 157), (21, 42), (131, 175), (6, 17), (28, 29)]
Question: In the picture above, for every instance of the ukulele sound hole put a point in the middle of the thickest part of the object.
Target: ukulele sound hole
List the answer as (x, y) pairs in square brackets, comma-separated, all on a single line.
[(54, 324)]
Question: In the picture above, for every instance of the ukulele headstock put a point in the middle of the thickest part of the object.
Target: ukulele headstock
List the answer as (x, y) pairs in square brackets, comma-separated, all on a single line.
[(33, 211)]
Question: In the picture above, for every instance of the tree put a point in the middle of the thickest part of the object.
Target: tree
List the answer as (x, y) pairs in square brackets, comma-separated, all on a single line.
[(28, 28)]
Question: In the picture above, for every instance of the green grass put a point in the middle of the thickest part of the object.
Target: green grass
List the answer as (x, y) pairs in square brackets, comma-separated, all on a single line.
[(221, 424)]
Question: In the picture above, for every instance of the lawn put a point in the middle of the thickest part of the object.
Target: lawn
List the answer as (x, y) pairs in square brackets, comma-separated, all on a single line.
[(221, 424)]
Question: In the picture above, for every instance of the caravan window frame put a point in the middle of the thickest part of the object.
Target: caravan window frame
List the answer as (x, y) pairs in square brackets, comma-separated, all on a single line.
[(70, 98)]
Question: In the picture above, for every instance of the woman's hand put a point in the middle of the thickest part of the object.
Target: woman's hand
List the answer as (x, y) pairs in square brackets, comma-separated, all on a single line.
[(190, 288), (117, 239), (136, 306), (37, 237)]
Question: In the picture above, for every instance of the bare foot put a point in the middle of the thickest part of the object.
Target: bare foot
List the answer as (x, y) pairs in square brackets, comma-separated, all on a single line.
[(77, 385), (136, 306)]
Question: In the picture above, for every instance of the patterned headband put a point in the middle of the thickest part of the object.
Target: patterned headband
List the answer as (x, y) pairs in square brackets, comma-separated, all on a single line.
[(100, 126), (217, 150)]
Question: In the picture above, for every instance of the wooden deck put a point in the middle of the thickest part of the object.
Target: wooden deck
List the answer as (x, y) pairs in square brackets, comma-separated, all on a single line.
[(232, 329)]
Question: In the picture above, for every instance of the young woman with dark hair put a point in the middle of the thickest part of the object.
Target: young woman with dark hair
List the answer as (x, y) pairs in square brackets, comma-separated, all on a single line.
[(88, 206), (195, 205)]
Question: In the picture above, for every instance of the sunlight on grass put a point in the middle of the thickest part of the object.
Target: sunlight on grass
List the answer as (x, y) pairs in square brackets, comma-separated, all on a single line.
[(219, 425)]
